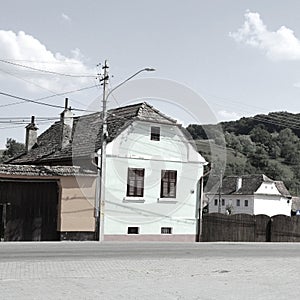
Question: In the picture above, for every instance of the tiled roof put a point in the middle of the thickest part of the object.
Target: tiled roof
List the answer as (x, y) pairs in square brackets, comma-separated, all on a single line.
[(87, 133), (28, 170), (282, 189), (249, 185), (295, 203)]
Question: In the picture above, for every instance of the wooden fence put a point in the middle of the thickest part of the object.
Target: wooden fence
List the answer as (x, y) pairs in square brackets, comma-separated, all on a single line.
[(250, 228)]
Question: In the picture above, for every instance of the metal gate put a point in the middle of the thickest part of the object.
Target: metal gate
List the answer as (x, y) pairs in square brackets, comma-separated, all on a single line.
[(28, 210)]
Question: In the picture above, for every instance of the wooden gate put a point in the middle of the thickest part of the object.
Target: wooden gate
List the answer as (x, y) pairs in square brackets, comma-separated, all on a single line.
[(28, 210)]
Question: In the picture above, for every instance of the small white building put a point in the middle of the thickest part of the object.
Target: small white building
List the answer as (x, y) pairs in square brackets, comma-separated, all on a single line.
[(250, 194)]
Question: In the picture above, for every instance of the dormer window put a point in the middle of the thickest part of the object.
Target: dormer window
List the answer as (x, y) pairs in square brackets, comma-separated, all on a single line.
[(155, 133)]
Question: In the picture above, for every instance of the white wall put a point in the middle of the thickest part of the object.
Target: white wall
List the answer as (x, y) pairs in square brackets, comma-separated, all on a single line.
[(270, 202), (231, 200), (272, 206), (266, 200), (268, 188), (135, 142), (133, 148)]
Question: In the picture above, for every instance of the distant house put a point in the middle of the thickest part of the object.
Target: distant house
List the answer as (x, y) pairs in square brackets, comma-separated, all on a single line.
[(250, 194), (295, 206), (152, 174)]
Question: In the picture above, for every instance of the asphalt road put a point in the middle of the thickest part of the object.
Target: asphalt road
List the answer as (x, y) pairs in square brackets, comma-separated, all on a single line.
[(89, 270), (94, 250)]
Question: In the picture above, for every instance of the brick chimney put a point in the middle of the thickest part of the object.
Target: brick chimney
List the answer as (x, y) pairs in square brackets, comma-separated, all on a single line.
[(31, 135), (66, 118)]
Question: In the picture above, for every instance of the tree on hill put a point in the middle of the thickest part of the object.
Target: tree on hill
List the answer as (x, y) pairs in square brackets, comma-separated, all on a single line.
[(268, 144)]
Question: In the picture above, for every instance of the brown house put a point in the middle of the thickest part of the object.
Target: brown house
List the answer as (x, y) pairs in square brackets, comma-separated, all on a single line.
[(44, 203)]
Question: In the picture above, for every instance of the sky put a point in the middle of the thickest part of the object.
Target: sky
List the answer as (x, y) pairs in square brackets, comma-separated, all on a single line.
[(240, 58)]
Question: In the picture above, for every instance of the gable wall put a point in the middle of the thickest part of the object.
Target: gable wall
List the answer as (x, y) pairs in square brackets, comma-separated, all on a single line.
[(135, 141), (268, 188)]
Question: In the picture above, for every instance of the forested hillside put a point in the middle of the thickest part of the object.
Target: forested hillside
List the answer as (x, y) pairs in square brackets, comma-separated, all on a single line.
[(268, 144)]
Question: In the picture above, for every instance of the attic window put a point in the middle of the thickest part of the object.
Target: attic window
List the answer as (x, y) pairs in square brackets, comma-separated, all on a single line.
[(155, 133)]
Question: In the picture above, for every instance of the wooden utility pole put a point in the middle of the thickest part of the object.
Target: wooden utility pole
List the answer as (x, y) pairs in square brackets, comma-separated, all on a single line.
[(103, 152)]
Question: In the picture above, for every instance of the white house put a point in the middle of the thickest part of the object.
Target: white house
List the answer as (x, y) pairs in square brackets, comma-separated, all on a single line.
[(152, 173), (250, 194), (152, 181)]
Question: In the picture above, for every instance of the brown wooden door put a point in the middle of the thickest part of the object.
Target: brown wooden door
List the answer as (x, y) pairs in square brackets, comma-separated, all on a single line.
[(31, 210)]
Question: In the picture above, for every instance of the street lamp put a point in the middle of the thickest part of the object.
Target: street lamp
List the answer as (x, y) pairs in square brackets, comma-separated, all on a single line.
[(100, 203)]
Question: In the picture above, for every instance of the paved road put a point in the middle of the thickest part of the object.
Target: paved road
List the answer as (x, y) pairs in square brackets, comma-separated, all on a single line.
[(89, 270), (93, 250)]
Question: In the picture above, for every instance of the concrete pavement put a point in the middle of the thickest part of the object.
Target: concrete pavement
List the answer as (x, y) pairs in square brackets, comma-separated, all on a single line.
[(70, 270)]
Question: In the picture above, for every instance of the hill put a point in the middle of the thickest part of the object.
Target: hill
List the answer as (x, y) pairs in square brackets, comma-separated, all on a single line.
[(268, 144)]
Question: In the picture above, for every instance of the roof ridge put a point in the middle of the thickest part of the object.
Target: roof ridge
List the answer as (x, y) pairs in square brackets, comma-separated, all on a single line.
[(146, 104)]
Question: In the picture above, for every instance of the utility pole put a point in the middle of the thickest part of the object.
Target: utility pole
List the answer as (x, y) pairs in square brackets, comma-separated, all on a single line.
[(100, 189), (103, 153), (220, 191)]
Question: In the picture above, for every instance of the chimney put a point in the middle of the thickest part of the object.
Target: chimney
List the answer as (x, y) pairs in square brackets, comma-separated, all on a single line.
[(31, 135), (66, 118), (239, 182)]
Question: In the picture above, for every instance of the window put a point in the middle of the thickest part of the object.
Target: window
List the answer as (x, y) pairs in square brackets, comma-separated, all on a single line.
[(133, 230), (155, 133), (166, 230), (216, 202), (168, 184), (238, 202), (246, 202), (223, 202), (135, 182)]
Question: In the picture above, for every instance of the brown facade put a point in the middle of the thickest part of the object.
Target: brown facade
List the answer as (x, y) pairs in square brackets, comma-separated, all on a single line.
[(35, 208), (77, 208)]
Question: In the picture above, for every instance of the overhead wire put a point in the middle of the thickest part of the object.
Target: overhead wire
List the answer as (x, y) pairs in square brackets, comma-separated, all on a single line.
[(43, 98), (40, 103), (48, 71), (43, 61)]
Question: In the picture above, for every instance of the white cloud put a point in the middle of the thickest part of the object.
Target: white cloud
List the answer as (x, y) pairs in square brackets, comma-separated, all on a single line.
[(24, 49), (277, 45), (224, 115), (66, 17)]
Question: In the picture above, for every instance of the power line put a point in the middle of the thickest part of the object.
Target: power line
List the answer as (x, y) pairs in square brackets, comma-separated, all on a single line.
[(47, 71), (22, 126), (54, 93), (37, 102), (43, 61)]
